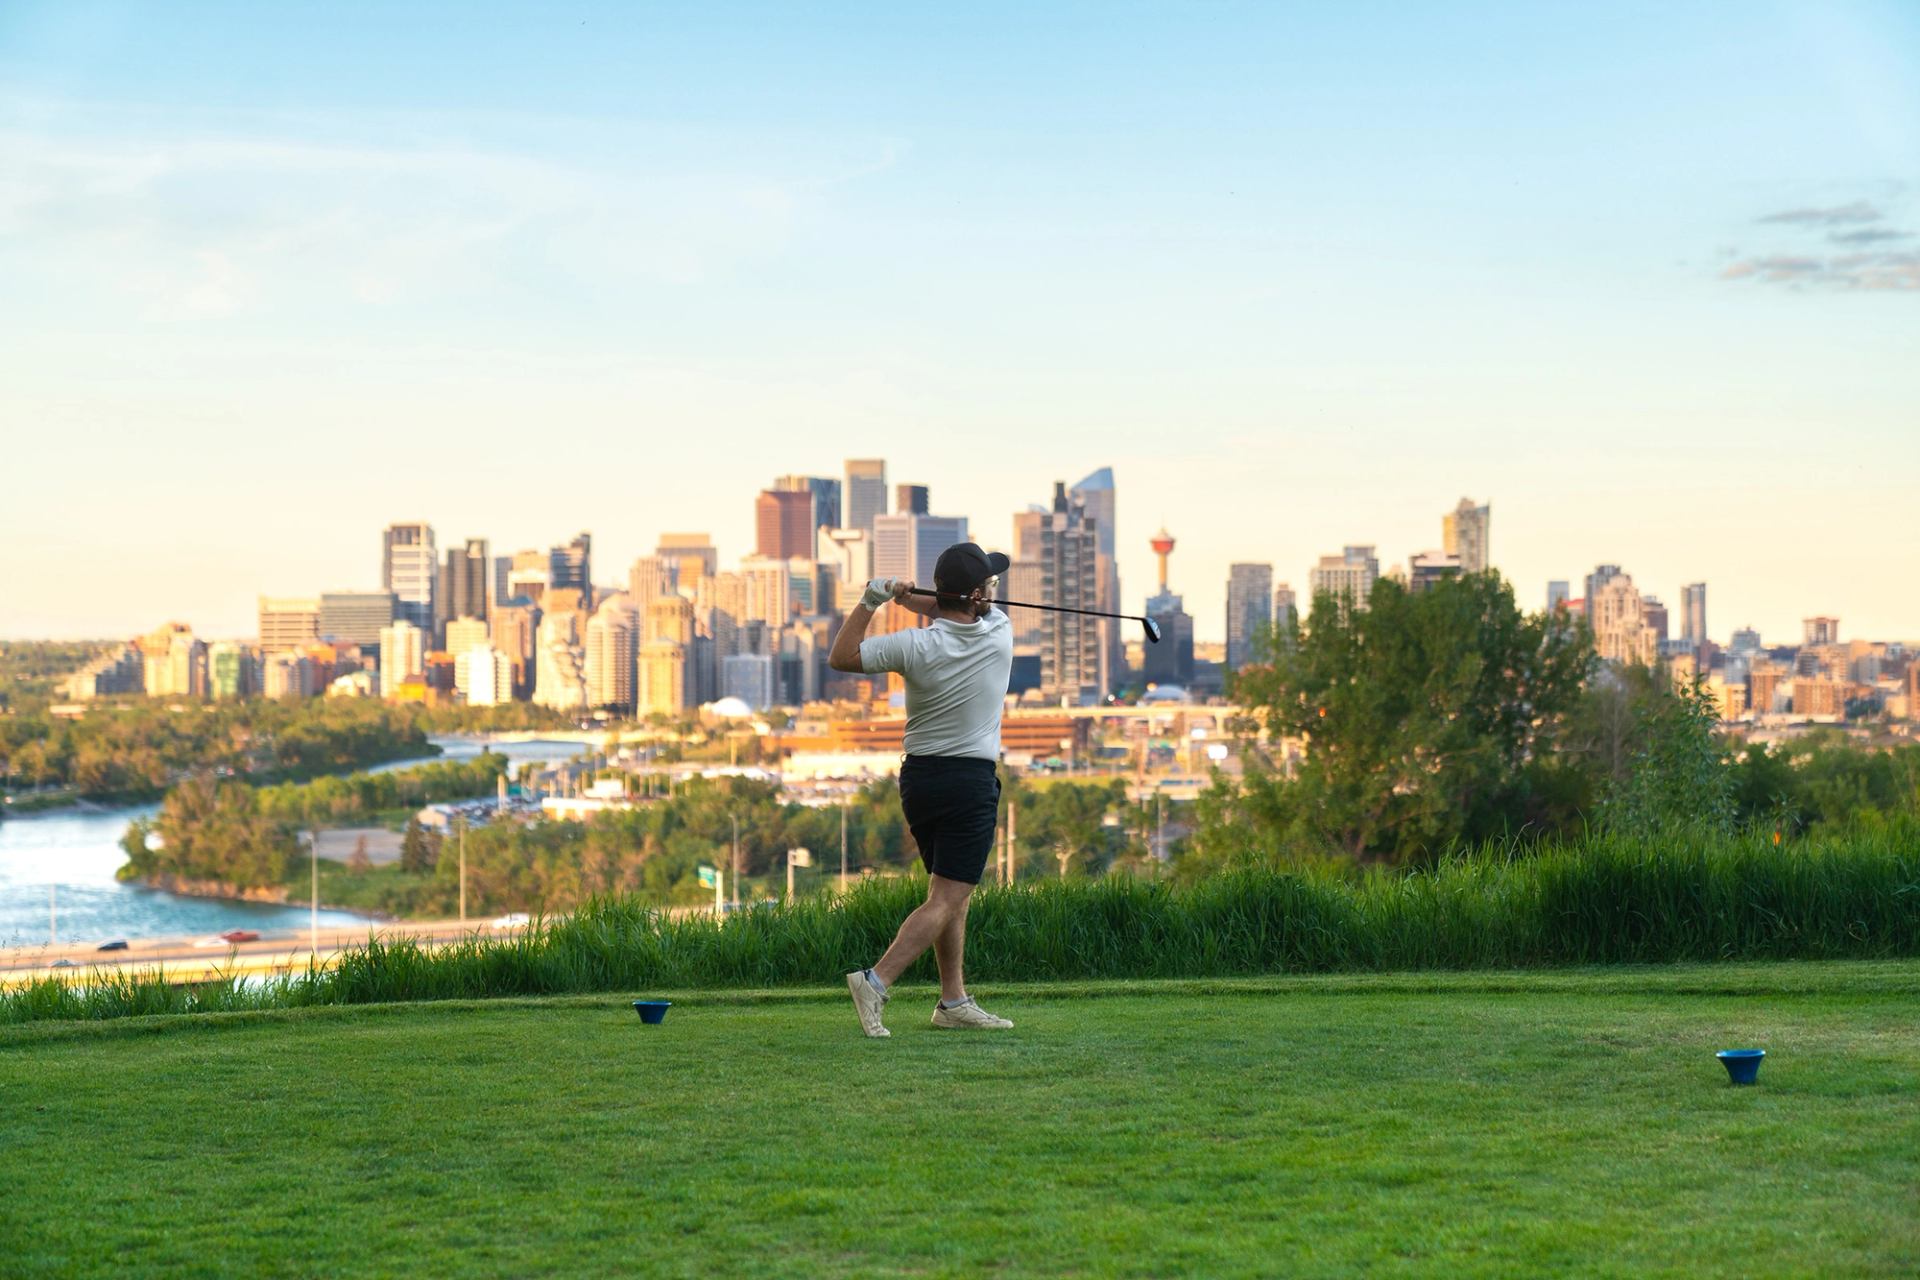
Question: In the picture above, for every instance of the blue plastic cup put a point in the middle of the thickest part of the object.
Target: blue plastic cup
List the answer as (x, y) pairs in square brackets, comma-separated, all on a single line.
[(1743, 1065), (652, 1012)]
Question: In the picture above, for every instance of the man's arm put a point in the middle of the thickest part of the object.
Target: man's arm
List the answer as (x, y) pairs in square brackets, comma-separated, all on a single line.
[(845, 655)]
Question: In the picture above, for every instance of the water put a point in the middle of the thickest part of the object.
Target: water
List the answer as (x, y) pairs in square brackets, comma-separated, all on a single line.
[(76, 853)]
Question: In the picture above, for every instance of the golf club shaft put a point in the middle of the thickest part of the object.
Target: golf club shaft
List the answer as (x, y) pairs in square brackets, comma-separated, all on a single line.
[(1021, 604)]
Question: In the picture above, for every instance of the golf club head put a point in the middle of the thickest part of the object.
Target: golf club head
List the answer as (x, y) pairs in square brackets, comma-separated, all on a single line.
[(1153, 630)]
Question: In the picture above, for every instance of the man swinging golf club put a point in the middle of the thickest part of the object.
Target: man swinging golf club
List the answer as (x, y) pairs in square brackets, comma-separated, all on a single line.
[(956, 672)]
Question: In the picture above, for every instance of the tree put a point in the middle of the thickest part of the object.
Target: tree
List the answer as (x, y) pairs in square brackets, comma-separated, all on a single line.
[(358, 859), (1423, 714), (419, 852)]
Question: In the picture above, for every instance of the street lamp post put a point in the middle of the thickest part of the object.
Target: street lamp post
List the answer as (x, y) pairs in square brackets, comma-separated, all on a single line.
[(463, 867), (843, 845), (313, 906), (796, 858)]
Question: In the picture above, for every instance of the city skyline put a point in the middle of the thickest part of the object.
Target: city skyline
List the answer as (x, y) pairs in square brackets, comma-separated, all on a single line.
[(1647, 281)]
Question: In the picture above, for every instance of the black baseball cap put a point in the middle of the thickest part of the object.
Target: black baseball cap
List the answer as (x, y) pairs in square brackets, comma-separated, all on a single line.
[(964, 566)]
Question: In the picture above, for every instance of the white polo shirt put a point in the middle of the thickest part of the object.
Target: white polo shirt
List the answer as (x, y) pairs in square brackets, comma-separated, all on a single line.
[(957, 675)]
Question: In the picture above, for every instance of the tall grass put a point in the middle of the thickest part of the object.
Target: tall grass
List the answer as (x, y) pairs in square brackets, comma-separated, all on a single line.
[(1602, 900)]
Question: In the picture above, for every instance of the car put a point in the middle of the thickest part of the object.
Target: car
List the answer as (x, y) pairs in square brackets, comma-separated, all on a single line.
[(61, 963), (513, 920), (240, 935), (112, 944)]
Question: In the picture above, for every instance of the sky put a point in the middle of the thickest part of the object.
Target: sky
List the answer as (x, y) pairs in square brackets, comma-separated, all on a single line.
[(1645, 277)]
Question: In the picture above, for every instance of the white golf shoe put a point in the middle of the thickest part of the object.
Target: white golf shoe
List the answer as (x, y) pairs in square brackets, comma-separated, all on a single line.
[(967, 1016), (868, 1003)]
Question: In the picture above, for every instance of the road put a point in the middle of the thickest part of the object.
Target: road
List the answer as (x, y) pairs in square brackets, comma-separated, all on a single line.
[(186, 960)]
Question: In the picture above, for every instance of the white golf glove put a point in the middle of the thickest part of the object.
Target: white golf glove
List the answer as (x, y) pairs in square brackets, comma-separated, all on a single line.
[(879, 591)]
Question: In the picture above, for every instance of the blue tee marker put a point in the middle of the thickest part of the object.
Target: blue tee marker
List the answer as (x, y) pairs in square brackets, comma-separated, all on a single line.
[(1743, 1065)]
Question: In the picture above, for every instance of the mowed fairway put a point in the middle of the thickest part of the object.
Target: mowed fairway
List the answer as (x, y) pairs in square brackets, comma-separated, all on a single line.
[(1451, 1124)]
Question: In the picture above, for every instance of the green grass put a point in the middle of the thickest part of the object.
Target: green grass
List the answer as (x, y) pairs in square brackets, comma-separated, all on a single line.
[(1605, 901), (1439, 1124)]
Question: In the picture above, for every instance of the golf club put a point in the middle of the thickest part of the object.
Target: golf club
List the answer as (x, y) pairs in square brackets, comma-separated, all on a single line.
[(1152, 627)]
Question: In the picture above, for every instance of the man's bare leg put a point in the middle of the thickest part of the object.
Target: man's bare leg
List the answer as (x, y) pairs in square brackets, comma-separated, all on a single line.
[(945, 907), (948, 948)]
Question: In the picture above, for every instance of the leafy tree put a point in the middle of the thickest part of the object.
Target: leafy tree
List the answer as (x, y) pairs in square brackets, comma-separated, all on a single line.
[(419, 852), (1423, 714)]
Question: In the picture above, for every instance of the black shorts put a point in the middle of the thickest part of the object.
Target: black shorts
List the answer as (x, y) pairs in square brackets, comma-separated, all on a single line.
[(952, 805)]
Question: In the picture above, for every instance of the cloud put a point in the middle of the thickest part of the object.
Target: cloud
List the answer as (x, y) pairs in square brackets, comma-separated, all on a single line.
[(1879, 272), (1869, 235), (1834, 216)]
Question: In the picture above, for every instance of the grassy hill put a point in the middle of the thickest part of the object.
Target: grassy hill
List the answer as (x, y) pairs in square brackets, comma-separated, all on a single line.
[(1487, 1123)]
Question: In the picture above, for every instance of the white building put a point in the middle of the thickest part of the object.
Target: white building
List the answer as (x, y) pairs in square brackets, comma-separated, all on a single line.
[(560, 663), (402, 654), (484, 676), (612, 650), (1348, 576)]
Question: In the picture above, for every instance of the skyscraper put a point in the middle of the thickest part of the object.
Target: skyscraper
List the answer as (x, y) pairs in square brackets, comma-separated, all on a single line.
[(1463, 533), (866, 492), (570, 567), (403, 653), (559, 663), (908, 546), (849, 552), (1348, 576), (409, 568), (1654, 614), (612, 651), (287, 624), (1170, 661), (1819, 631), (1071, 666), (826, 498), (1620, 630), (1249, 609), (649, 578), (1100, 500), (1286, 609), (691, 556), (910, 499), (1602, 574), (1693, 615), (529, 576), (355, 617), (783, 523), (1026, 578), (465, 582), (1558, 593)]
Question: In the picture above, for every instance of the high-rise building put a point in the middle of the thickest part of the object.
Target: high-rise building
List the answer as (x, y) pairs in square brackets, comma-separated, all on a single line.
[(1558, 593), (484, 675), (229, 670), (529, 576), (910, 499), (1744, 640), (465, 582), (464, 634), (1654, 613), (1693, 613), (355, 617), (783, 523), (1463, 533), (1170, 661), (1620, 630), (288, 675), (1100, 500), (748, 677), (1348, 577), (826, 497), (1819, 631), (515, 633), (119, 670), (849, 552), (667, 618), (560, 662), (613, 649), (866, 493), (1249, 610), (1598, 579), (1286, 609), (173, 663), (768, 595), (1071, 665), (649, 578), (1025, 578), (410, 569), (1428, 567), (663, 678), (288, 623), (691, 556), (908, 546), (570, 567), (403, 653)]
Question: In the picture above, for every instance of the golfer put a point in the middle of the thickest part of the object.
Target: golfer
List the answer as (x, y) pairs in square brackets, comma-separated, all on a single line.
[(956, 672)]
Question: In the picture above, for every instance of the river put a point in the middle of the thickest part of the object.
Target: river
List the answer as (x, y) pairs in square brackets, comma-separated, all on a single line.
[(70, 856)]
